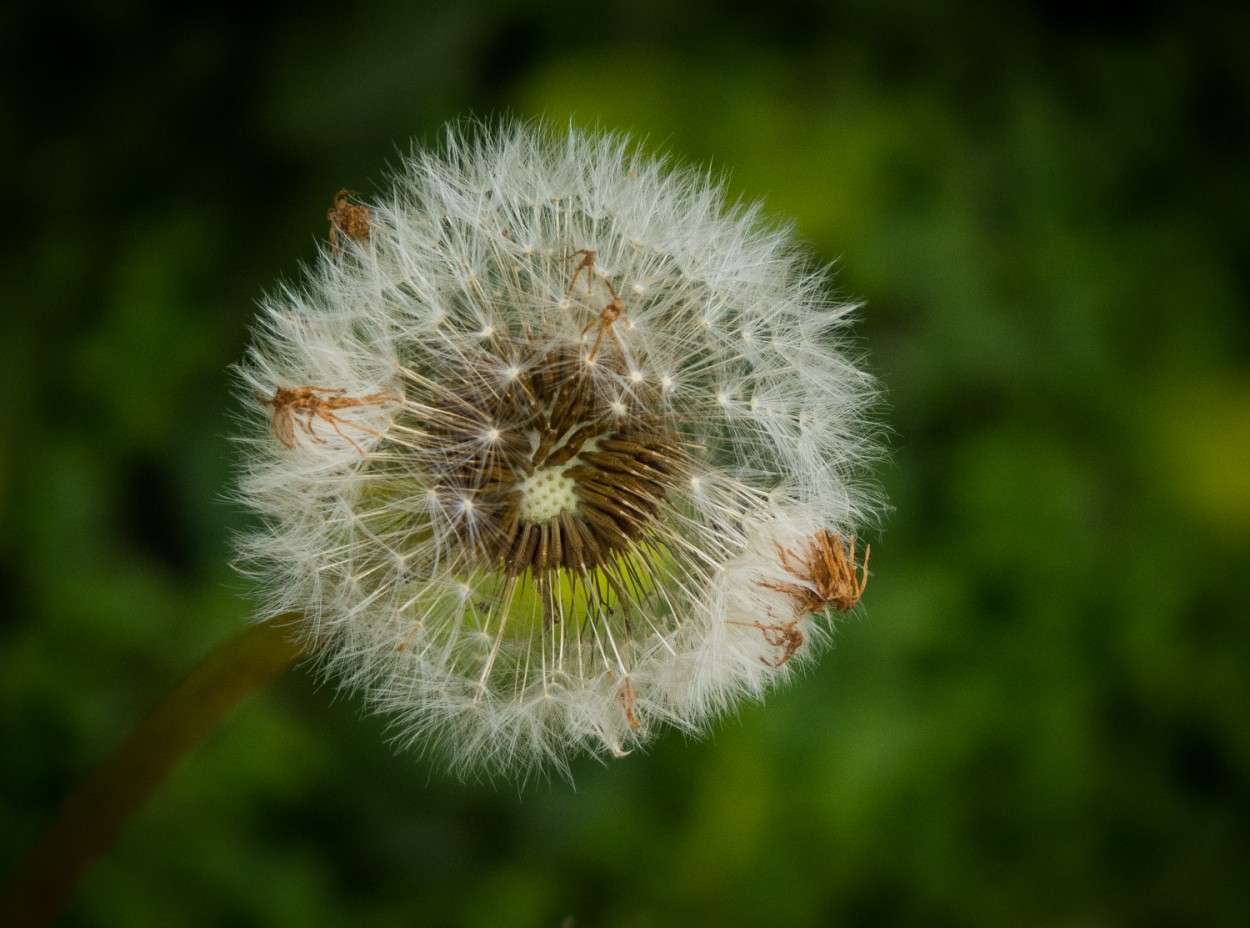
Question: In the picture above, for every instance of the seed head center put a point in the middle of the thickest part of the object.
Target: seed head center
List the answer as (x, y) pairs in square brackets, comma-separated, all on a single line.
[(546, 493)]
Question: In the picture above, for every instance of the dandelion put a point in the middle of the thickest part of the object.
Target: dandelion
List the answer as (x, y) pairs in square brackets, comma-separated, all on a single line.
[(554, 447)]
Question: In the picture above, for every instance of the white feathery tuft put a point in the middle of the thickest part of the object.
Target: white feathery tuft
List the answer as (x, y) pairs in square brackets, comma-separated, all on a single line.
[(555, 447)]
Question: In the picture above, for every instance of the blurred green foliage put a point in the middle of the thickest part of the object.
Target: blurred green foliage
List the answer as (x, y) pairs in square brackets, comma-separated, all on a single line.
[(1043, 716)]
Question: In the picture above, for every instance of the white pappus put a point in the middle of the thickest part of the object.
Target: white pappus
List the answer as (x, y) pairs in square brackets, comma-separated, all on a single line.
[(554, 446)]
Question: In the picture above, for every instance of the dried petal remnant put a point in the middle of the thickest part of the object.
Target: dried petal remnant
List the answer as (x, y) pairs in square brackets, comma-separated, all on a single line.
[(788, 637), (827, 574), (626, 696), (298, 406), (348, 219), (609, 314)]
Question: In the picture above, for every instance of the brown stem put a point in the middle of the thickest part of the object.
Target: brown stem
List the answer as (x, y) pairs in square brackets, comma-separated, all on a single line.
[(94, 815)]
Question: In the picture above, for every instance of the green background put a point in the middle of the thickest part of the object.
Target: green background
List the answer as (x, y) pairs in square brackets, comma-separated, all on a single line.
[(1042, 714)]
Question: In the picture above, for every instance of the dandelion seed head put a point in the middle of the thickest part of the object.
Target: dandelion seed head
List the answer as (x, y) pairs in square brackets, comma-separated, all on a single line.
[(522, 503)]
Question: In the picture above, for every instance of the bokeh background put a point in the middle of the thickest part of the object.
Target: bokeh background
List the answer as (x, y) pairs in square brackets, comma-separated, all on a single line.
[(1041, 715)]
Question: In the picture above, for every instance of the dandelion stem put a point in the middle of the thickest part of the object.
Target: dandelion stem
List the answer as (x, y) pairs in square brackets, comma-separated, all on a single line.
[(94, 815)]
